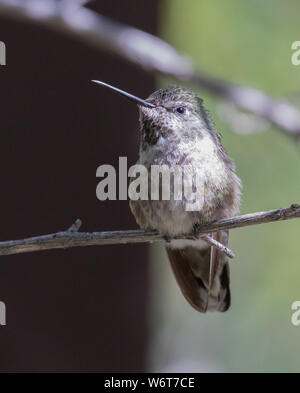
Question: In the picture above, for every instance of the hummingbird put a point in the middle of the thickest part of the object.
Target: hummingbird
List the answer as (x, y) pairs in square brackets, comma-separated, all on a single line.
[(176, 129)]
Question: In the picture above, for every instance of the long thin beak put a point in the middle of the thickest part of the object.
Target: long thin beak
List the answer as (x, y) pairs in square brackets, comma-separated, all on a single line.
[(137, 100)]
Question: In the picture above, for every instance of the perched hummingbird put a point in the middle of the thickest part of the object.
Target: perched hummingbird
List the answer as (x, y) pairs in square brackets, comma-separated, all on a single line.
[(176, 129)]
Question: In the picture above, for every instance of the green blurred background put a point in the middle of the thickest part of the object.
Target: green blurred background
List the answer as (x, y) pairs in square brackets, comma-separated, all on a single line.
[(248, 43)]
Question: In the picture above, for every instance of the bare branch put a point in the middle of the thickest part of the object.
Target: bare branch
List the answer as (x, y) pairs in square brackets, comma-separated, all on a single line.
[(76, 226), (150, 53), (240, 121), (213, 242), (70, 239)]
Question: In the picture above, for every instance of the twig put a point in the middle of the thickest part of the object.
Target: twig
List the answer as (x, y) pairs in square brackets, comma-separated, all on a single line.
[(70, 239), (150, 53), (75, 227), (213, 242)]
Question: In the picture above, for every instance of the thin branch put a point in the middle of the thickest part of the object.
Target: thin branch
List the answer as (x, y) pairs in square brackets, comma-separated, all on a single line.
[(75, 227), (213, 242), (150, 53), (68, 239)]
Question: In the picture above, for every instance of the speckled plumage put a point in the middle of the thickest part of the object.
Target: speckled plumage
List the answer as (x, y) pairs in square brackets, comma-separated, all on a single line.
[(188, 140), (169, 138)]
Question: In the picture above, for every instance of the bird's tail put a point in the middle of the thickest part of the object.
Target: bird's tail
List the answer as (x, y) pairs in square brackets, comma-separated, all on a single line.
[(202, 274)]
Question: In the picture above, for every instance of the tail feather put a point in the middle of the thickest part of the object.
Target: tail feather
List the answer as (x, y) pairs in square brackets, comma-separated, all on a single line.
[(202, 275)]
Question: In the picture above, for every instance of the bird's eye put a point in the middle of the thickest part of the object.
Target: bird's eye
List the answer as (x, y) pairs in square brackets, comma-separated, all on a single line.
[(180, 110)]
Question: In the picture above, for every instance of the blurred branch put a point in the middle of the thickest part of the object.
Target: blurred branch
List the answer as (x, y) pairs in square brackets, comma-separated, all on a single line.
[(239, 121), (73, 238), (149, 52)]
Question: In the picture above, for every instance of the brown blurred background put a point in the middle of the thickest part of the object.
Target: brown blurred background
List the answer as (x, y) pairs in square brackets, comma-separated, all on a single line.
[(84, 309)]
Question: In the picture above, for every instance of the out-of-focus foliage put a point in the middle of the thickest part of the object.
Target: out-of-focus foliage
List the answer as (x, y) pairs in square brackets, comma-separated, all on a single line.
[(247, 42)]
